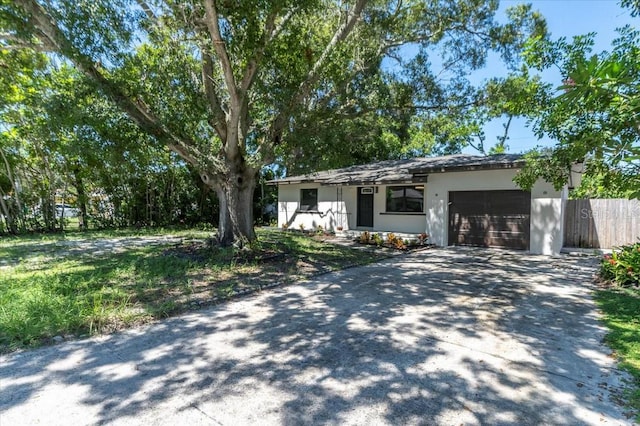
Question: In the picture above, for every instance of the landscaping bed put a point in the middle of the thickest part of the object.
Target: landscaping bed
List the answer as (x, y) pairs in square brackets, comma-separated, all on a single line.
[(394, 241)]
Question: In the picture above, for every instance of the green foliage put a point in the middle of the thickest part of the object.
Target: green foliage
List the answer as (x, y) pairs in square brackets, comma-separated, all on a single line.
[(232, 87), (633, 5), (50, 285), (551, 165), (622, 267), (600, 181), (594, 114), (65, 142)]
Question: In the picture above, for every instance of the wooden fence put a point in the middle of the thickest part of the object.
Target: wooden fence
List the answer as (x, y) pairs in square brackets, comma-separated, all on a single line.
[(601, 223)]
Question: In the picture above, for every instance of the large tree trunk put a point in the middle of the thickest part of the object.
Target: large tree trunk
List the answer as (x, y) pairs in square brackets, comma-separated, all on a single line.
[(235, 194)]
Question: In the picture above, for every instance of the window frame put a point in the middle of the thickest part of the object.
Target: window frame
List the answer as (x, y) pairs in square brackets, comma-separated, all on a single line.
[(308, 207), (404, 199)]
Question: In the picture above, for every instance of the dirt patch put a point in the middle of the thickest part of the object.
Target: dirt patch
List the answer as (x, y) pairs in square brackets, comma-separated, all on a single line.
[(272, 264)]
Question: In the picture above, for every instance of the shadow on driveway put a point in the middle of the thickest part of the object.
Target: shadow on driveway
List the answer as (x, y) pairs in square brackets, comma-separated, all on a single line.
[(448, 336)]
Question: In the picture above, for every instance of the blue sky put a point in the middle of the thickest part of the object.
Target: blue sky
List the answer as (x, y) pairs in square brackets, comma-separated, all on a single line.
[(565, 18)]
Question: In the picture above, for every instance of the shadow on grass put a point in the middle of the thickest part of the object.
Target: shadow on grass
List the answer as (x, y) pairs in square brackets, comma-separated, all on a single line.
[(419, 339), (106, 286)]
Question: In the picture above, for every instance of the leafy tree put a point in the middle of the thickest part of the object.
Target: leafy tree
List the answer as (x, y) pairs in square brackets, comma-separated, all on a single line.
[(596, 116), (63, 142), (233, 86), (19, 80)]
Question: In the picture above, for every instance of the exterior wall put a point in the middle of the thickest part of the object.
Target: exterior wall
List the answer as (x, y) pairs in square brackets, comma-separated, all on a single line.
[(331, 213), (546, 205), (382, 222), (395, 222), (547, 218), (337, 207)]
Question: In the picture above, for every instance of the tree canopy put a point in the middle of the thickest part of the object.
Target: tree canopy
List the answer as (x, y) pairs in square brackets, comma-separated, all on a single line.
[(594, 115), (233, 86)]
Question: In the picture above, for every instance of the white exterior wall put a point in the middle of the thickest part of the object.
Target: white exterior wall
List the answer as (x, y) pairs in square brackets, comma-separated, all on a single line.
[(546, 205), (547, 218), (410, 224), (331, 211), (337, 207), (395, 222)]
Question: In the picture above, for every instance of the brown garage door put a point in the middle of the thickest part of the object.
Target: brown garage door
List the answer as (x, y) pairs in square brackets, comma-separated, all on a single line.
[(490, 218)]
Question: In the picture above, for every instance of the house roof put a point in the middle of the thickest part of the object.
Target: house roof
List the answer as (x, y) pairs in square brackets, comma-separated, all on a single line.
[(406, 171)]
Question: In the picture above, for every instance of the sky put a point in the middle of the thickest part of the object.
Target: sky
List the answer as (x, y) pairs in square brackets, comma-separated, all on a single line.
[(565, 18)]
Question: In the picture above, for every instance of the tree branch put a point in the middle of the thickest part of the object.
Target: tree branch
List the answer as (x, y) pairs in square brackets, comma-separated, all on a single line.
[(342, 32), (48, 33), (340, 35), (271, 31), (250, 71), (480, 146), (219, 123), (503, 139), (147, 10), (213, 26)]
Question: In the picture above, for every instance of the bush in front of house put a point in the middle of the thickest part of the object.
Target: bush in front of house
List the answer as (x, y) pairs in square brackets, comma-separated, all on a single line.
[(622, 266)]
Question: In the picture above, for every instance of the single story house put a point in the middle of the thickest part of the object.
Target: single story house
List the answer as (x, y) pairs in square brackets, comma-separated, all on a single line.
[(455, 199)]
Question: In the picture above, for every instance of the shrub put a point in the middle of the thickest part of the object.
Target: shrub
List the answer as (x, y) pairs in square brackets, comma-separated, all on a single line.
[(395, 242), (365, 237), (377, 239), (622, 266)]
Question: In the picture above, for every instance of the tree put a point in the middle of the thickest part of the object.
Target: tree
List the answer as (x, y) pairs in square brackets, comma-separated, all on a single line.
[(62, 142), (596, 115), (229, 85), (19, 80)]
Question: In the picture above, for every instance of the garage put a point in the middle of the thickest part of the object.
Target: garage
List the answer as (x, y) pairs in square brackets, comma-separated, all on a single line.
[(490, 218)]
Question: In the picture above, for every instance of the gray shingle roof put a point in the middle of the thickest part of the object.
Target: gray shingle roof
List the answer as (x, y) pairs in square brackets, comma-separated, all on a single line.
[(405, 171)]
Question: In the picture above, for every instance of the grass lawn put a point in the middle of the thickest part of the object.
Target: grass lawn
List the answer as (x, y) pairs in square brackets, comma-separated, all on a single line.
[(621, 309), (88, 283)]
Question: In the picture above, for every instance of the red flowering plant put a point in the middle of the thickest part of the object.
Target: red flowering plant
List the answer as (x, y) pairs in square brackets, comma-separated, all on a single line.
[(622, 266)]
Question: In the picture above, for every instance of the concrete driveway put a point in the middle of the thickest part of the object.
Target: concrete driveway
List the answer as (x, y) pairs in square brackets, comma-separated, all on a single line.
[(451, 336)]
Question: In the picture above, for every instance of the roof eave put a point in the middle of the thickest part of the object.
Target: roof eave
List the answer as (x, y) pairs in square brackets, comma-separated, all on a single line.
[(466, 168)]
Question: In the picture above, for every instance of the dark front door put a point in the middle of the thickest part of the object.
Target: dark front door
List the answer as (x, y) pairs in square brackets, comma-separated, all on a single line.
[(490, 218), (365, 207)]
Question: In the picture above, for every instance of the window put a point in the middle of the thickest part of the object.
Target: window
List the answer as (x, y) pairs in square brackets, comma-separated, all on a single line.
[(405, 199), (308, 199)]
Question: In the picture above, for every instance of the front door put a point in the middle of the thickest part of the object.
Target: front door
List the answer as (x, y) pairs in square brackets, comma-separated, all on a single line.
[(365, 207)]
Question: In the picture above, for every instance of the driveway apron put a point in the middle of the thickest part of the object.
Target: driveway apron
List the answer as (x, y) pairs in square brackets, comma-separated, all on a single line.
[(446, 336)]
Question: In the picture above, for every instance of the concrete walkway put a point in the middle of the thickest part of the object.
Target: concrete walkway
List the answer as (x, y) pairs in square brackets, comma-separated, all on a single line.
[(447, 337)]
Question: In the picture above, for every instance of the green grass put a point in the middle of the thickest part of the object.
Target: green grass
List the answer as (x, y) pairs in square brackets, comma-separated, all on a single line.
[(68, 284), (73, 233), (621, 309)]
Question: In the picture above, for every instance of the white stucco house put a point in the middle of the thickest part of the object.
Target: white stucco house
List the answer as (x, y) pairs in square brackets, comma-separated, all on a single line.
[(457, 200)]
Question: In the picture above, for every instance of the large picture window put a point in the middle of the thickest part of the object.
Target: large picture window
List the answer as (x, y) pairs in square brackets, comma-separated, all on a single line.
[(405, 199), (308, 199)]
